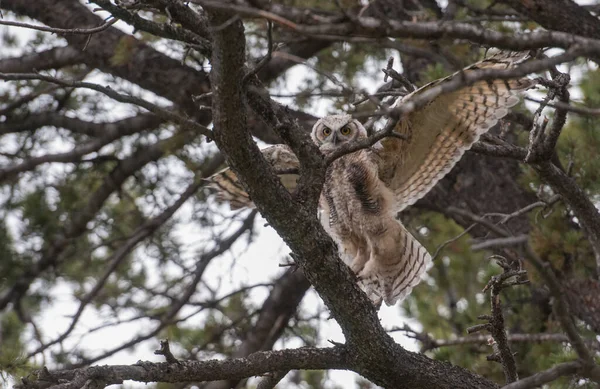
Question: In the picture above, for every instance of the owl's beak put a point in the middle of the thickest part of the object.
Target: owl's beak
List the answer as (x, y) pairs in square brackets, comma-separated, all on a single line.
[(334, 138)]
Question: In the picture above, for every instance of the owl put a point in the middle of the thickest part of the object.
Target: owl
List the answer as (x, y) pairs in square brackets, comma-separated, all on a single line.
[(364, 190)]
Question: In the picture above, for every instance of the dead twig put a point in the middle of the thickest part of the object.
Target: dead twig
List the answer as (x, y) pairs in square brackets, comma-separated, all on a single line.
[(166, 351), (495, 322)]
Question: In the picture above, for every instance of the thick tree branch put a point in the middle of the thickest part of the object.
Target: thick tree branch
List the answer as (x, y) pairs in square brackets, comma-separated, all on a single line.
[(33, 121), (143, 65), (196, 36), (377, 28), (559, 15), (55, 58), (258, 363)]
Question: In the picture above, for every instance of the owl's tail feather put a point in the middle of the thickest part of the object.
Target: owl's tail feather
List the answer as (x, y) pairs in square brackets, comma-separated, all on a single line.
[(392, 281)]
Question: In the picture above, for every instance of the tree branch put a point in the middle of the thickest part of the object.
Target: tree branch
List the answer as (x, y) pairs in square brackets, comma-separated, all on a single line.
[(559, 15), (164, 113), (546, 376), (55, 58), (33, 121), (578, 201), (371, 27), (258, 363), (140, 234)]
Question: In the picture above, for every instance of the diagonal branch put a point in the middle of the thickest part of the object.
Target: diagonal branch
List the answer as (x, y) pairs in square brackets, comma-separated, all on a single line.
[(559, 15), (581, 205), (170, 316), (314, 252), (546, 376)]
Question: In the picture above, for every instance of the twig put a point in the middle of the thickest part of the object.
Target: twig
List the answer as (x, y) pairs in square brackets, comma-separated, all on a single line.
[(429, 343), (502, 352), (568, 107), (500, 242), (166, 351), (158, 111), (400, 78), (506, 217), (479, 220), (62, 31), (271, 379), (265, 60), (451, 240)]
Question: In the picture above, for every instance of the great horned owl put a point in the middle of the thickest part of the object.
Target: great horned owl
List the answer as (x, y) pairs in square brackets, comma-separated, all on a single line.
[(365, 190)]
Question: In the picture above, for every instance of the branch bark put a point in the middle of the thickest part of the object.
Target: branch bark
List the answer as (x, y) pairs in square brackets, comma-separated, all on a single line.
[(546, 376), (255, 364), (559, 15)]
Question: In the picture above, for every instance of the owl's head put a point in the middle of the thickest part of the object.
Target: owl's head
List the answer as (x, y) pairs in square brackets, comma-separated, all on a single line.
[(333, 131)]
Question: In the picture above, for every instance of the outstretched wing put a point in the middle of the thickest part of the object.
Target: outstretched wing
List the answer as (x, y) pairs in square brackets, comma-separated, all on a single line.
[(229, 189), (441, 132)]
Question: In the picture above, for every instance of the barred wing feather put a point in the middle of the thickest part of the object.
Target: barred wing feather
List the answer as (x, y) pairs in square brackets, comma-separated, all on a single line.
[(441, 132), (229, 189)]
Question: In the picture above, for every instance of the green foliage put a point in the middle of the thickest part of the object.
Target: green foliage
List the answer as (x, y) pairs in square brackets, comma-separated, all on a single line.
[(12, 352), (123, 51), (452, 300), (9, 259), (580, 140)]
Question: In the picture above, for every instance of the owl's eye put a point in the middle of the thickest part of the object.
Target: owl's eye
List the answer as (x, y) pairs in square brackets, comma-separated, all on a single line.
[(345, 130), (326, 131)]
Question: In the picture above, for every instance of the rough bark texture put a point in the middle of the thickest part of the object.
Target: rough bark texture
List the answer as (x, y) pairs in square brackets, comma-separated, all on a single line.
[(559, 15)]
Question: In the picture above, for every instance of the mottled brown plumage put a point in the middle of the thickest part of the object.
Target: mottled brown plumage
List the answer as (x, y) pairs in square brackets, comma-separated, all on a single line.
[(365, 190), (229, 190)]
